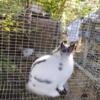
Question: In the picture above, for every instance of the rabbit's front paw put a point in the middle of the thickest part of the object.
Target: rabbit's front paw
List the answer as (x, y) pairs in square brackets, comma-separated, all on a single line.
[(63, 92)]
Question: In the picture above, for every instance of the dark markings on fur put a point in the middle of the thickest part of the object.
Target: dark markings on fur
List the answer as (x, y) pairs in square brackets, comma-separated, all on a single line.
[(42, 81), (38, 63), (60, 68), (64, 92)]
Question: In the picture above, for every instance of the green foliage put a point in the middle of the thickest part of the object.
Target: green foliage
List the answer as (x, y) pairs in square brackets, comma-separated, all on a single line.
[(65, 10), (6, 65), (68, 10), (9, 25), (77, 8), (52, 7), (9, 7)]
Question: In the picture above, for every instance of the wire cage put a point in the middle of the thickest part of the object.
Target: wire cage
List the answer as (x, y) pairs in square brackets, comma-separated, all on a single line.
[(89, 56), (28, 35)]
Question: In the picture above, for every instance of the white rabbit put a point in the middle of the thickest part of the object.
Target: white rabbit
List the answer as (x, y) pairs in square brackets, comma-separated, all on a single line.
[(50, 73)]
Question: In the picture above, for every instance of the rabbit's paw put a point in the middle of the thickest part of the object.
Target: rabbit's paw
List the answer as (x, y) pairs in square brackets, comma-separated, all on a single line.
[(63, 92)]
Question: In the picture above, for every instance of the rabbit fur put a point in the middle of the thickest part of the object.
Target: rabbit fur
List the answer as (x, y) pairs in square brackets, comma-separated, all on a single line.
[(49, 73)]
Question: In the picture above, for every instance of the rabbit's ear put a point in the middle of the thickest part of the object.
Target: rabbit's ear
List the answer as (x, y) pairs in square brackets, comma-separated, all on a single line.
[(72, 47), (62, 44), (60, 47)]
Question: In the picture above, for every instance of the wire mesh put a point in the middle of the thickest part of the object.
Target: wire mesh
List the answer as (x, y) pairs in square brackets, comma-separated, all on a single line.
[(29, 35), (26, 36), (90, 58)]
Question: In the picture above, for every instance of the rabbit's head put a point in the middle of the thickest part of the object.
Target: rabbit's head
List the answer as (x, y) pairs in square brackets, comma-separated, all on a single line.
[(67, 48)]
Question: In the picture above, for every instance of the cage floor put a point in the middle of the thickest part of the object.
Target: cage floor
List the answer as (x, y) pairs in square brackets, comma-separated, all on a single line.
[(12, 87)]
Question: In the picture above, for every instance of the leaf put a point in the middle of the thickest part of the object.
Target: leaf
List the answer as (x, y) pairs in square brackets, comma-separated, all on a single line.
[(11, 23), (15, 29), (7, 65), (7, 29), (4, 23)]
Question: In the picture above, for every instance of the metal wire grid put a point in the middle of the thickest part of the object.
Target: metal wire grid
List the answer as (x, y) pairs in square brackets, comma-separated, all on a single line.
[(37, 34), (12, 84), (9, 88), (89, 56)]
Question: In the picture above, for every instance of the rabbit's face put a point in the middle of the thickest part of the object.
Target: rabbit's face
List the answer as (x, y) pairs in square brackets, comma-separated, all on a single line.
[(67, 48)]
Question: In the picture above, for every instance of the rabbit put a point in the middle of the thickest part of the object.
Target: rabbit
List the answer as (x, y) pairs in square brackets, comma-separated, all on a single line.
[(50, 73)]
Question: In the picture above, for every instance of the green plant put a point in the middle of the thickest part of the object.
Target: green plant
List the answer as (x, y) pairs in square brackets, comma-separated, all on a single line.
[(6, 65), (9, 7), (9, 24)]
